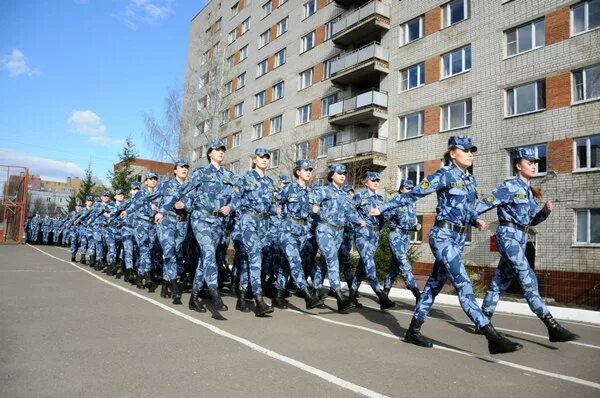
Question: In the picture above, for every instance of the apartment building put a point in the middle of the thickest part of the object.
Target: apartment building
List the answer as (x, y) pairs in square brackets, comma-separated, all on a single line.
[(381, 85)]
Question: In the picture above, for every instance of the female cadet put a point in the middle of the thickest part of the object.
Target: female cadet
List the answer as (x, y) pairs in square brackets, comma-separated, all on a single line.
[(402, 222), (456, 192), (516, 203), (254, 200), (296, 209), (367, 238), (335, 211)]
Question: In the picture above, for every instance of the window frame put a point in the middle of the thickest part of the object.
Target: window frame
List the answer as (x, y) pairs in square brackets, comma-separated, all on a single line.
[(268, 5), (403, 172), (588, 154), (259, 67), (446, 16), (406, 72), (236, 139), (277, 63), (239, 110), (322, 152), (515, 104), (280, 25), (245, 26), (534, 27), (583, 72), (325, 104), (467, 113), (588, 241), (450, 55), (587, 29), (275, 155), (298, 150), (299, 112), (241, 81), (274, 87), (260, 99), (264, 40), (243, 53), (402, 126), (404, 31), (301, 79), (306, 9), (304, 42), (257, 131), (272, 124)]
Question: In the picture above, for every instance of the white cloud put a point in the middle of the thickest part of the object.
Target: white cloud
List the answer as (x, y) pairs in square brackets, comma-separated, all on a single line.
[(90, 124), (146, 11), (16, 64), (48, 168)]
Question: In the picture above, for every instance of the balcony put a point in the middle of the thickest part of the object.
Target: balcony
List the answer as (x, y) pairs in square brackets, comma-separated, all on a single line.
[(362, 65), (370, 151), (362, 24), (348, 3), (364, 109)]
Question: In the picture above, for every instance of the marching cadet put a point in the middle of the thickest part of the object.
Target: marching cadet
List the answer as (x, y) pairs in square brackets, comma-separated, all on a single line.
[(73, 231), (127, 235), (457, 195), (517, 211)]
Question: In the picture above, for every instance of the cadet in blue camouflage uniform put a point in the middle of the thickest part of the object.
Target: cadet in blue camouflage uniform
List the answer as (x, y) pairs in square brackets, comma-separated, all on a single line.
[(335, 211), (254, 201), (402, 221), (212, 195), (73, 231), (517, 211), (127, 235), (275, 265), (112, 233), (367, 238), (99, 223), (346, 246), (46, 228), (457, 195), (81, 221)]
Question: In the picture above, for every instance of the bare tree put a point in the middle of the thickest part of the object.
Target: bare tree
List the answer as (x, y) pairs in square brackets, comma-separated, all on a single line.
[(163, 135)]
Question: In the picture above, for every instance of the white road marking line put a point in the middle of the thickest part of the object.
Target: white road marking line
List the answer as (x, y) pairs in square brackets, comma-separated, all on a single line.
[(32, 270), (290, 361)]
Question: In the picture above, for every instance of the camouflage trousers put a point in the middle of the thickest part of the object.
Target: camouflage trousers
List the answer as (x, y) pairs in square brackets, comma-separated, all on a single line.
[(367, 239), (145, 238), (329, 239), (74, 240), (171, 234), (112, 237), (399, 245), (128, 242), (293, 245), (253, 236), (208, 235)]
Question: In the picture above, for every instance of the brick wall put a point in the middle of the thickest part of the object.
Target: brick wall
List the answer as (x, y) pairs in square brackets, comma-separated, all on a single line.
[(432, 70), (431, 123), (558, 91), (432, 21), (560, 155), (558, 26)]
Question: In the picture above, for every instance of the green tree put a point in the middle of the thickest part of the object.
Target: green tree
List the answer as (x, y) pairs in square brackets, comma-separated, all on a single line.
[(72, 202), (87, 186), (124, 177)]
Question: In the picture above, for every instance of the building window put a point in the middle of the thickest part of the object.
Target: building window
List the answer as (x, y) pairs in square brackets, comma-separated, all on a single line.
[(326, 142), (231, 37), (278, 90), (410, 126), (235, 9), (241, 80), (235, 167), (457, 61), (259, 99), (282, 26), (237, 139), (585, 16), (417, 236), (243, 53), (587, 153), (541, 151), (454, 12), (411, 30), (202, 127), (412, 77), (456, 115), (327, 67), (257, 131), (225, 116), (527, 98), (280, 58), (310, 8), (587, 226), (274, 161), (261, 68), (263, 40), (302, 150), (230, 61), (586, 83), (239, 110), (329, 27), (305, 79), (267, 8), (326, 103), (303, 115), (414, 172), (228, 88), (308, 42), (246, 25), (276, 123), (525, 37)]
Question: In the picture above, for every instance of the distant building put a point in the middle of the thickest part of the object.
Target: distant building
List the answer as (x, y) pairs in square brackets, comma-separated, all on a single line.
[(141, 167)]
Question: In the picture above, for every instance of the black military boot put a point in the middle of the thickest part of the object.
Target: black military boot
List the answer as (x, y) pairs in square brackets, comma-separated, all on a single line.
[(384, 301), (82, 260), (488, 315), (195, 304), (343, 303), (279, 300), (386, 290), (164, 290), (413, 334), (175, 293), (73, 259), (417, 293), (110, 270), (556, 332), (497, 342), (310, 300), (353, 297), (149, 283), (138, 281), (241, 304), (216, 300), (262, 308), (92, 262), (119, 273)]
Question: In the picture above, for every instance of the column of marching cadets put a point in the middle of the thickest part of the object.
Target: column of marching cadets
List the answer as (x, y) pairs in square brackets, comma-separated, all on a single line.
[(289, 235)]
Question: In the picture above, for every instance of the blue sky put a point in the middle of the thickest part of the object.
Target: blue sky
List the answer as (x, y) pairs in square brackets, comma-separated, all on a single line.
[(76, 77)]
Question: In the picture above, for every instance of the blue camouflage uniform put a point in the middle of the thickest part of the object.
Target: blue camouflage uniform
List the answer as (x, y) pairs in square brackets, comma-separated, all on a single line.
[(99, 225), (46, 228), (127, 234), (113, 231), (346, 246), (74, 237)]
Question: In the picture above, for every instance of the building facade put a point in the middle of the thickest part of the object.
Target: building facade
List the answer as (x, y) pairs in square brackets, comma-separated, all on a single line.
[(381, 85), (141, 167)]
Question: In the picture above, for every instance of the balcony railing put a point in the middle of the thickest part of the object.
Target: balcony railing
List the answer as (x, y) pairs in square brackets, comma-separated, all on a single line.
[(356, 16), (363, 100), (358, 56), (352, 149)]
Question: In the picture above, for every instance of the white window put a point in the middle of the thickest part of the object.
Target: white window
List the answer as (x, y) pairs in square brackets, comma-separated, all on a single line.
[(263, 40), (280, 57), (527, 98), (414, 172), (230, 61), (241, 80), (327, 67), (587, 153), (259, 99), (525, 37), (586, 83), (410, 125), (540, 150), (305, 79), (228, 88), (235, 9), (587, 226), (257, 131), (282, 26), (412, 77), (237, 139), (302, 150), (454, 12), (267, 8), (243, 53), (231, 37), (282, 2), (276, 124), (246, 25), (274, 161), (411, 30), (308, 42), (278, 90), (225, 116), (235, 167), (329, 27), (303, 115), (457, 61), (456, 115), (239, 110), (585, 16), (326, 142), (310, 8), (326, 103), (261, 68)]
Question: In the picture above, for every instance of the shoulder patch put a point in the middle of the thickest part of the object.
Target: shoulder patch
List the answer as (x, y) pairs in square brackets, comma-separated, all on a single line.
[(520, 196), (490, 198), (424, 185)]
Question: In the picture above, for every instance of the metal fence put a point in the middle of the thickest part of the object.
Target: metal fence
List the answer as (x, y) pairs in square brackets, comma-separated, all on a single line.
[(13, 203)]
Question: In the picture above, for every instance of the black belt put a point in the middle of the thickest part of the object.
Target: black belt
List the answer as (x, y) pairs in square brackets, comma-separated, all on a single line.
[(214, 214), (146, 220), (513, 225), (452, 227), (177, 217), (300, 221), (260, 216), (401, 230)]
